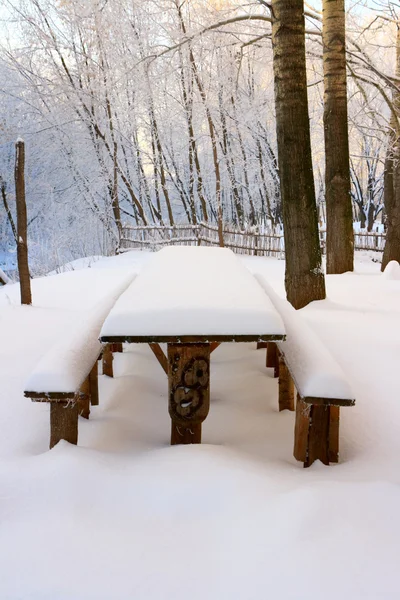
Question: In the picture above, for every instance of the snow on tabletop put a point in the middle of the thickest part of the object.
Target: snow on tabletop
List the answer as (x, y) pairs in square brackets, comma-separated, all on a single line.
[(317, 373), (193, 291), (66, 365)]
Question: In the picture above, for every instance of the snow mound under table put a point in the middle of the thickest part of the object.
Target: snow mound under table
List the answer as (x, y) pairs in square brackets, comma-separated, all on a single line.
[(193, 293)]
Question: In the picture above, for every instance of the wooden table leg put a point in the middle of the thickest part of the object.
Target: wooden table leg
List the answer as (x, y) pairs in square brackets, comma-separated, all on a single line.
[(182, 434), (63, 422), (273, 358), (271, 354), (94, 385), (108, 361), (188, 390), (116, 347)]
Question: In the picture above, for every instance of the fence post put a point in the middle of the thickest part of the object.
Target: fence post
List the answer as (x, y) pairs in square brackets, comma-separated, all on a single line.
[(22, 224)]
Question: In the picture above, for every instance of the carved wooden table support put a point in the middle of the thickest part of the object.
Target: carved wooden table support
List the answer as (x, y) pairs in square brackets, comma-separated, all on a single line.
[(188, 390)]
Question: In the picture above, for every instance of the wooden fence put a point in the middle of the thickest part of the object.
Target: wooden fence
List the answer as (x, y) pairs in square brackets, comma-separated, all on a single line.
[(268, 243)]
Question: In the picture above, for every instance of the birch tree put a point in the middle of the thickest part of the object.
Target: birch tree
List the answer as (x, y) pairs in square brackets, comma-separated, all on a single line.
[(339, 236)]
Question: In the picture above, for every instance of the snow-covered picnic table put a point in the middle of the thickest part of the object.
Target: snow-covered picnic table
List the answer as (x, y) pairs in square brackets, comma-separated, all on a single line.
[(192, 298)]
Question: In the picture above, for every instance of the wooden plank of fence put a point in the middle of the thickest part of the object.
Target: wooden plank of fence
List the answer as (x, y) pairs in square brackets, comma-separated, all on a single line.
[(269, 242)]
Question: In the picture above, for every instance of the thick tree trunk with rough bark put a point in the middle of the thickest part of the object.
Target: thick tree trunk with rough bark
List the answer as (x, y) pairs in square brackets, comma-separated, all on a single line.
[(22, 224), (339, 217), (392, 180), (388, 182), (392, 245), (304, 278)]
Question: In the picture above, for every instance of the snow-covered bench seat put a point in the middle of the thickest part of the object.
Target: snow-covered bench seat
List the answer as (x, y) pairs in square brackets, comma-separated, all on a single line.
[(306, 364), (66, 376)]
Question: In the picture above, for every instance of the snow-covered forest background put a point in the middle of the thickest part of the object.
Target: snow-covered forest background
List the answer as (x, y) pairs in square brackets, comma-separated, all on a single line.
[(162, 112)]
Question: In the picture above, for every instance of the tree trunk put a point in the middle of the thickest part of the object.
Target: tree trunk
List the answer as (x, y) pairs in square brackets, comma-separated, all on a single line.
[(371, 216), (304, 278), (22, 224), (392, 180), (392, 245), (339, 227), (115, 200), (388, 185)]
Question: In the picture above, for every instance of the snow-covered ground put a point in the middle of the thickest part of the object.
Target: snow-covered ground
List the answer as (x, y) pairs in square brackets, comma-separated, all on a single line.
[(124, 515)]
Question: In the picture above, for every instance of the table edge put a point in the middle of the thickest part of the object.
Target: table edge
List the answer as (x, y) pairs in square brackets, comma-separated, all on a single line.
[(190, 339)]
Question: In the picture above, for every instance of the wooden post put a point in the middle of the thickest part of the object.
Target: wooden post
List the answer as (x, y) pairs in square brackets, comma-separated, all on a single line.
[(108, 361), (22, 224), (316, 433), (262, 345), (189, 390), (63, 422), (94, 385), (286, 387)]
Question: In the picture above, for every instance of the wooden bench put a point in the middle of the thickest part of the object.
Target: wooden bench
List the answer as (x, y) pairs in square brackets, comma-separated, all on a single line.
[(67, 375), (303, 362)]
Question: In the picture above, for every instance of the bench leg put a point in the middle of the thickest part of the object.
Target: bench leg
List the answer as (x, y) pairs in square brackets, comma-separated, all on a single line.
[(316, 433), (272, 357), (261, 345), (94, 385), (84, 400), (188, 390), (286, 387), (84, 406), (108, 361), (63, 422)]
